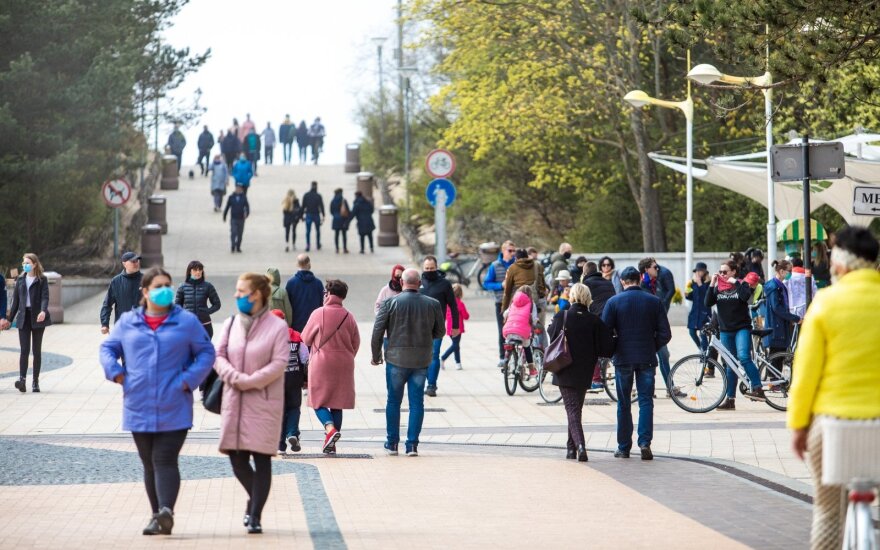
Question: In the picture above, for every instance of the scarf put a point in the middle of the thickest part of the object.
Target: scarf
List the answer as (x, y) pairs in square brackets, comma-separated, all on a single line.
[(724, 286), (247, 321)]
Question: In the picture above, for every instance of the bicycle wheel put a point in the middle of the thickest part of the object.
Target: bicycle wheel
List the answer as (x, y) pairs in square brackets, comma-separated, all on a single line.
[(531, 383), (511, 373), (549, 392), (777, 394), (611, 382), (481, 275), (701, 394)]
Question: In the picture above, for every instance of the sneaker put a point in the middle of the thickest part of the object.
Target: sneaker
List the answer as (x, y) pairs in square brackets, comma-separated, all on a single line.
[(443, 365), (597, 386), (709, 373), (646, 453), (621, 454), (676, 391), (501, 363), (331, 450), (431, 391), (727, 405), (330, 439), (532, 370), (293, 442), (458, 366), (165, 518), (390, 448), (412, 449), (756, 394), (152, 528)]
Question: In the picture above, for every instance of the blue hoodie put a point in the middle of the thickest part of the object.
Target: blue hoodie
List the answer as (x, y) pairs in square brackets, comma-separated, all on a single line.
[(306, 294), (157, 364)]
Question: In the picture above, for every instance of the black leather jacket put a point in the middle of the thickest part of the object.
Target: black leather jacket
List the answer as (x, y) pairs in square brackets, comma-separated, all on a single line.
[(412, 321)]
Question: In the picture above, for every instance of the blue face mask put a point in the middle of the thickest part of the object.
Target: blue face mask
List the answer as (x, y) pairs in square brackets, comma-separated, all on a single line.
[(244, 305), (162, 296), (27, 268)]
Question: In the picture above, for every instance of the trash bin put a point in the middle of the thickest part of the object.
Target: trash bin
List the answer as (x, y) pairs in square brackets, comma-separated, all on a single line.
[(170, 177), (352, 158), (388, 226), (151, 246), (156, 212), (365, 184), (489, 252), (56, 310)]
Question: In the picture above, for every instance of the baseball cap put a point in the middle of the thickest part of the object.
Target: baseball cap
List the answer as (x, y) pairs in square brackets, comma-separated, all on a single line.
[(751, 278), (129, 256), (630, 274), (700, 266)]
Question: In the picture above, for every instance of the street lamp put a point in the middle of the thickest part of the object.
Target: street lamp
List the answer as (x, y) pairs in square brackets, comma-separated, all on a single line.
[(378, 41), (406, 73), (707, 74), (638, 99)]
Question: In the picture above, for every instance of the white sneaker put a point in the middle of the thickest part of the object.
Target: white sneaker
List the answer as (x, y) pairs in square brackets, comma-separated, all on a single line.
[(501, 363), (458, 366), (443, 365)]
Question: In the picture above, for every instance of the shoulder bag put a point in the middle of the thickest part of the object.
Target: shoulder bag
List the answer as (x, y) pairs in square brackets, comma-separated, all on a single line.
[(558, 356), (212, 398)]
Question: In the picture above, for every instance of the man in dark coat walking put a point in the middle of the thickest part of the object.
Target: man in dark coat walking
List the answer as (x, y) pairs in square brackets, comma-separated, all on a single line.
[(205, 144), (313, 207), (239, 209), (124, 292), (305, 292), (435, 285)]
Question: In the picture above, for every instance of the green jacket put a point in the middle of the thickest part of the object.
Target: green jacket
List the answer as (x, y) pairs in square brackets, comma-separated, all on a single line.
[(279, 299)]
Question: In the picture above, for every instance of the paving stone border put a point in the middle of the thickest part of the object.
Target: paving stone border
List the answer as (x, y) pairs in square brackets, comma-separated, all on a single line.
[(50, 361)]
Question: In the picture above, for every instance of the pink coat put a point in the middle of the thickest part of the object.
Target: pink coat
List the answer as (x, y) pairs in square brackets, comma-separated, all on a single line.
[(463, 316), (331, 355), (252, 369), (519, 317)]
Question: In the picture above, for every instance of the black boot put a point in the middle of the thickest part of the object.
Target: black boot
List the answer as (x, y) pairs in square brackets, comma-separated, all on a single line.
[(571, 454), (582, 453), (36, 386), (21, 384)]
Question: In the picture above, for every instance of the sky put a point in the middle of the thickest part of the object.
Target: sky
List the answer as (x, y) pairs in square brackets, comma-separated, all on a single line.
[(269, 58)]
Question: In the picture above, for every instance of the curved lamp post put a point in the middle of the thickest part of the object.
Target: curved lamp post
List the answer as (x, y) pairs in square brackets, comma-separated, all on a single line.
[(707, 74), (638, 99)]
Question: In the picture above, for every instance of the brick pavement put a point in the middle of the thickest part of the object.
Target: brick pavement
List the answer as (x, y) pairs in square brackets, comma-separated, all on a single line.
[(493, 468)]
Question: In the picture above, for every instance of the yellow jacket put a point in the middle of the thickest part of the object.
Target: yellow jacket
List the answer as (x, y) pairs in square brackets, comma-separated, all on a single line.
[(837, 363)]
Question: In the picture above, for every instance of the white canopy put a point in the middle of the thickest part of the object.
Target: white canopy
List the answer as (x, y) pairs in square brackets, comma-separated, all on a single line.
[(747, 175)]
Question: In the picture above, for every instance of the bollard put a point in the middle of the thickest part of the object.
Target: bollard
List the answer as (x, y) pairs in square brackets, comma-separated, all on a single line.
[(151, 246), (365, 184), (156, 212), (170, 178), (56, 310), (388, 226), (352, 158)]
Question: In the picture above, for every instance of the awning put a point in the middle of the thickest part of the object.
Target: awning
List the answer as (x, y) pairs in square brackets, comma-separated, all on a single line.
[(792, 231)]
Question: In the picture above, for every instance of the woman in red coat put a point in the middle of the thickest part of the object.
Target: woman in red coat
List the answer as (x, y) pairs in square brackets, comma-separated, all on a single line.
[(333, 340)]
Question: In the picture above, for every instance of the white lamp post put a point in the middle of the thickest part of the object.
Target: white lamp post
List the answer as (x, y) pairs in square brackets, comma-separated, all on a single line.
[(707, 74), (378, 41), (406, 73), (638, 98)]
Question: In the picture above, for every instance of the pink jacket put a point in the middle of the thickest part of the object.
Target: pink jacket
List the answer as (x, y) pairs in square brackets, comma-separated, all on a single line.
[(252, 369), (333, 339), (463, 316), (519, 317)]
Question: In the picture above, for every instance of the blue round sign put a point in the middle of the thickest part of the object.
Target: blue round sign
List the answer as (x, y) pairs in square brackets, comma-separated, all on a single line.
[(438, 184)]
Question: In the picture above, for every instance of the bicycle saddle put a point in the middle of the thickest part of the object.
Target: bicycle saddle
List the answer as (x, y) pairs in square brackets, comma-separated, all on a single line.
[(514, 339), (762, 332)]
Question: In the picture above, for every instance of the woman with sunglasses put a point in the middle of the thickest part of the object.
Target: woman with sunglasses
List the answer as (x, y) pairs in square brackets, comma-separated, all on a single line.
[(606, 267), (732, 297)]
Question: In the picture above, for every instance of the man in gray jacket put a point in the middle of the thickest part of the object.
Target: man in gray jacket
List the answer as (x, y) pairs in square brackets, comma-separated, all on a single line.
[(412, 321)]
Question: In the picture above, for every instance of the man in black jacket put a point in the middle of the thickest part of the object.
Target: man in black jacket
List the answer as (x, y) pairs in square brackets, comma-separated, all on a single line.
[(124, 291), (239, 209), (313, 206), (205, 144), (413, 322), (435, 285)]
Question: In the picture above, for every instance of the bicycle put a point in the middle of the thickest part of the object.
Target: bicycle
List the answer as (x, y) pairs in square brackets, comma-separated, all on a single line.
[(515, 368), (452, 267), (849, 457), (702, 393)]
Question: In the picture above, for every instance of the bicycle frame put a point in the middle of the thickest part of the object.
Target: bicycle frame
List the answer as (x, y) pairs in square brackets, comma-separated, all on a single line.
[(729, 360)]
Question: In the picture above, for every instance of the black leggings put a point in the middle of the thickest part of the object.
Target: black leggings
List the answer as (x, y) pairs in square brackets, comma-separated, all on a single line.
[(26, 334), (159, 452), (256, 481), (368, 236), (290, 233), (344, 233)]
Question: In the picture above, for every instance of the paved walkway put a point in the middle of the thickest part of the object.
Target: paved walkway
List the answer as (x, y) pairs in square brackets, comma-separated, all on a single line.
[(491, 471)]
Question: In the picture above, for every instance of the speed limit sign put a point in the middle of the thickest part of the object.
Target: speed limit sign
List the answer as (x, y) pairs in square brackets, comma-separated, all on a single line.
[(440, 163)]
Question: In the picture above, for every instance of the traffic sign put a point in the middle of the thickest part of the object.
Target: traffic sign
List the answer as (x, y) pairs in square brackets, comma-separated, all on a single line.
[(440, 163), (866, 200), (116, 192), (438, 184)]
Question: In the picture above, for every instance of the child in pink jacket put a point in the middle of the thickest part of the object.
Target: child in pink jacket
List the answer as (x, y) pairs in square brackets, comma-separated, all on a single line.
[(463, 316), (519, 320)]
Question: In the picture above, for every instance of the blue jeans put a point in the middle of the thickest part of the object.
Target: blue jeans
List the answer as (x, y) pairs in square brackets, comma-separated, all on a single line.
[(454, 348), (700, 339), (434, 367), (644, 379), (414, 380), (330, 416), (739, 343), (316, 220), (663, 360)]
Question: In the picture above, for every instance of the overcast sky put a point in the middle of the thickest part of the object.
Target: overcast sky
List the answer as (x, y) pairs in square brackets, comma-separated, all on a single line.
[(307, 58)]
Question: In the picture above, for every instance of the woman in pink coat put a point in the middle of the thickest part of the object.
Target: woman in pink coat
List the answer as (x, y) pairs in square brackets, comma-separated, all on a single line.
[(251, 358), (333, 340), (520, 319)]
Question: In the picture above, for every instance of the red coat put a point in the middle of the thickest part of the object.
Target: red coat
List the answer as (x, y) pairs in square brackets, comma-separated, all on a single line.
[(463, 316), (331, 355), (251, 414)]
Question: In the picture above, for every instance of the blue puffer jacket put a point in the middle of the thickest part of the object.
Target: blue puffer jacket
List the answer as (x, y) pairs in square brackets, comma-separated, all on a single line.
[(778, 316), (157, 364)]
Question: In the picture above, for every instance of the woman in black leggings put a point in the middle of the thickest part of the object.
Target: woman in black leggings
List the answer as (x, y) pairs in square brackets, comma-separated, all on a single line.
[(30, 310)]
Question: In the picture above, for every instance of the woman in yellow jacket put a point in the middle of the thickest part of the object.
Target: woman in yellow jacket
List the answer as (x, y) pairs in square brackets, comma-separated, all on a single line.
[(835, 368)]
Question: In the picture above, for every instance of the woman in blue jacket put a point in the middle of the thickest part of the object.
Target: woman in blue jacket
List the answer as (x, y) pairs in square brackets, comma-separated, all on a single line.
[(779, 318), (167, 354), (699, 314)]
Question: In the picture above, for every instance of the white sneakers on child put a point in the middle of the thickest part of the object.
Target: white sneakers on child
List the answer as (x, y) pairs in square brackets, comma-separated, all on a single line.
[(458, 366)]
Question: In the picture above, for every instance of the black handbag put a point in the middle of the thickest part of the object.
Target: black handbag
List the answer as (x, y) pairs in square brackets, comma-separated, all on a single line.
[(212, 398)]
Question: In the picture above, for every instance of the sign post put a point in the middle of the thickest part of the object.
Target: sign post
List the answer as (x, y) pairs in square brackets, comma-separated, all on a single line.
[(115, 194), (440, 163)]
